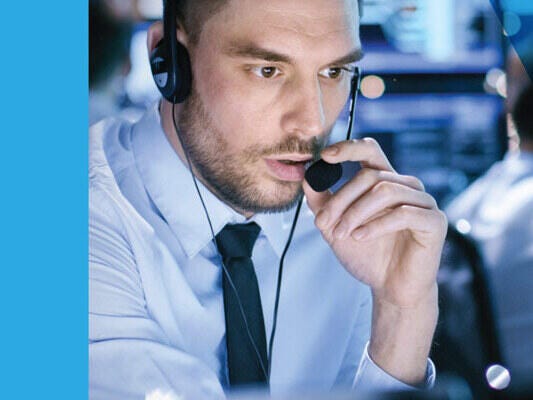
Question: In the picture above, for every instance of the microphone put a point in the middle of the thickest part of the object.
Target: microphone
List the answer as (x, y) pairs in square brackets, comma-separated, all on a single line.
[(322, 175)]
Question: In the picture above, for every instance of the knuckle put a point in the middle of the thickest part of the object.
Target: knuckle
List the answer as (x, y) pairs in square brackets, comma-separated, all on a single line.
[(443, 219), (385, 189), (405, 212), (415, 182), (369, 176), (347, 214), (439, 221), (370, 141), (372, 145), (354, 143), (431, 200), (334, 204)]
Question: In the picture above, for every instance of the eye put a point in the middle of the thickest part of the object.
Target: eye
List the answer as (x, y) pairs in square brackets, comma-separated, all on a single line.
[(267, 72), (335, 73), (331, 73)]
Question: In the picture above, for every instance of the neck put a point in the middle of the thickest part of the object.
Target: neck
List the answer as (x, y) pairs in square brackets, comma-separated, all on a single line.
[(165, 111)]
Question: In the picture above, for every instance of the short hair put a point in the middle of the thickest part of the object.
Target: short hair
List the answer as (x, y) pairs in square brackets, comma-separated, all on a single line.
[(522, 116), (193, 14)]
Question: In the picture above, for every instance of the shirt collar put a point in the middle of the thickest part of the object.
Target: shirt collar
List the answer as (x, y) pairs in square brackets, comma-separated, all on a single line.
[(171, 188), (276, 228)]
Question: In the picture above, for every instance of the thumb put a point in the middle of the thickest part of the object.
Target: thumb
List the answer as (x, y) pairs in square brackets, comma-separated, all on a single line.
[(315, 200)]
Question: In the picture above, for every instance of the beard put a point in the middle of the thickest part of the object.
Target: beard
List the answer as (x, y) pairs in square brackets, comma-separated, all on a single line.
[(234, 178)]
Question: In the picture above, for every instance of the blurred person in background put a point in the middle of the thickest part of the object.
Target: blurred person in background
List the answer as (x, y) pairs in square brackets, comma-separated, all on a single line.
[(110, 30), (497, 212)]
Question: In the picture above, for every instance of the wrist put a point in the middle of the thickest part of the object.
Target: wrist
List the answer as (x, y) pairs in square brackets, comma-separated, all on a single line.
[(401, 336)]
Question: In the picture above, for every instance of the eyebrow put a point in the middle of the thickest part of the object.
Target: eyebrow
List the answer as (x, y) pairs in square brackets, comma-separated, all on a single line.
[(251, 50)]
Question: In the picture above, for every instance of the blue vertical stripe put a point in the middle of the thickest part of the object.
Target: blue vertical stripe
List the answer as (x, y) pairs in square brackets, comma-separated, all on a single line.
[(43, 163)]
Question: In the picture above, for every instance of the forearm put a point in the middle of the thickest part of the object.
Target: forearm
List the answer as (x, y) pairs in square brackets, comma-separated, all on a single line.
[(401, 337)]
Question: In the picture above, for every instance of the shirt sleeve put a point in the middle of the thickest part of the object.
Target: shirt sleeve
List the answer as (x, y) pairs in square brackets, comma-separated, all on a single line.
[(130, 356), (371, 378)]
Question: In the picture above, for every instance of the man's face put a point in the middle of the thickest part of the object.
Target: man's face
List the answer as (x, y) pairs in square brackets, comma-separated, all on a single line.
[(270, 79)]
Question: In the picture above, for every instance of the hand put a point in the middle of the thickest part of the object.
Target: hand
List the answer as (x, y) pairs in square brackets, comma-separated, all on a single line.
[(388, 233), (384, 229)]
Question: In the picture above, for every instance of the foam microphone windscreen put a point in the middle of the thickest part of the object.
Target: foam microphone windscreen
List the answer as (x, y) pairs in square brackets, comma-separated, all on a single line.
[(321, 175)]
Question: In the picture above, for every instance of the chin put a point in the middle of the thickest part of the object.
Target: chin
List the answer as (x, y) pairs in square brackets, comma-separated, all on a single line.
[(277, 196), (256, 193)]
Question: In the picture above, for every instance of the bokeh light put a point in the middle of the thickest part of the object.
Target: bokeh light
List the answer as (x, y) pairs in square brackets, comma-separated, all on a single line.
[(498, 377), (372, 87), (511, 23)]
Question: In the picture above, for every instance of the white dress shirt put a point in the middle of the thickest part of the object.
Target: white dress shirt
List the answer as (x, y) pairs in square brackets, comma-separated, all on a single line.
[(156, 306), (497, 211)]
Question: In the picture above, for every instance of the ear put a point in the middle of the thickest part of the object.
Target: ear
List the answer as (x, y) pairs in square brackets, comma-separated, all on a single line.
[(155, 34)]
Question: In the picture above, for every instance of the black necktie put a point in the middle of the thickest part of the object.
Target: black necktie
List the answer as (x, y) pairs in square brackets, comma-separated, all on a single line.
[(235, 243)]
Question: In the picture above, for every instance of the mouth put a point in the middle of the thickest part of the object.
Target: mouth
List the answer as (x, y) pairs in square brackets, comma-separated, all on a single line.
[(288, 167)]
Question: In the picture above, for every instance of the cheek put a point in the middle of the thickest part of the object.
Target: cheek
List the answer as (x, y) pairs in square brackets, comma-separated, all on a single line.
[(232, 112), (243, 114), (334, 101)]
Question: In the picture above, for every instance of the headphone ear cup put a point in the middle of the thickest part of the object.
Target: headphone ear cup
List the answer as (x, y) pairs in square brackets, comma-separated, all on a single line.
[(172, 75), (160, 66), (169, 61), (183, 74)]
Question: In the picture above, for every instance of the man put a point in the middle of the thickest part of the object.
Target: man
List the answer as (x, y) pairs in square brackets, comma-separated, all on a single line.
[(498, 209), (269, 81)]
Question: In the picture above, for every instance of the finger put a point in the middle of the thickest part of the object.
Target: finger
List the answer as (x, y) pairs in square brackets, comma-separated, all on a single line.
[(315, 200), (365, 180), (367, 151), (415, 219), (383, 196)]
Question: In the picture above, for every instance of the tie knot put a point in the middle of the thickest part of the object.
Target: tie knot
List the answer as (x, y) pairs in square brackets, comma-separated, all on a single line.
[(237, 240)]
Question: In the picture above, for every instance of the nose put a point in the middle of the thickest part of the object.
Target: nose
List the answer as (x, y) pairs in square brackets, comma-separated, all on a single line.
[(304, 114)]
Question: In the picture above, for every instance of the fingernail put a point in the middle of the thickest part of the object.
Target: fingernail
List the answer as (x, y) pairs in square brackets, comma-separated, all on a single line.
[(322, 219), (341, 231), (359, 233), (331, 150)]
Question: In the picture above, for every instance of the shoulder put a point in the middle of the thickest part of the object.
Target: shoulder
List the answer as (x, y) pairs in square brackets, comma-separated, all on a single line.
[(103, 188), (111, 167), (109, 145), (109, 209), (518, 205), (469, 200)]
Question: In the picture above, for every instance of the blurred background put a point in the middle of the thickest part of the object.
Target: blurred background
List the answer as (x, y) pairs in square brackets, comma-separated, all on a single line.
[(433, 89), (440, 83)]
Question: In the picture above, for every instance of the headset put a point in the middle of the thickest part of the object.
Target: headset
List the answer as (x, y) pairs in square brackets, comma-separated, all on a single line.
[(171, 69), (169, 61)]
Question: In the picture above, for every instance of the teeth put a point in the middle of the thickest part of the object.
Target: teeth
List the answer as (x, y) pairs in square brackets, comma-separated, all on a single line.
[(289, 162), (293, 162)]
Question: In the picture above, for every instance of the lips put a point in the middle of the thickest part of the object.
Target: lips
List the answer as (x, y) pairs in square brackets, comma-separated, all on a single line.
[(288, 167)]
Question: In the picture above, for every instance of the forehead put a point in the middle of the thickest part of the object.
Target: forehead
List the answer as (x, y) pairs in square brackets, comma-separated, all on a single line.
[(319, 26)]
